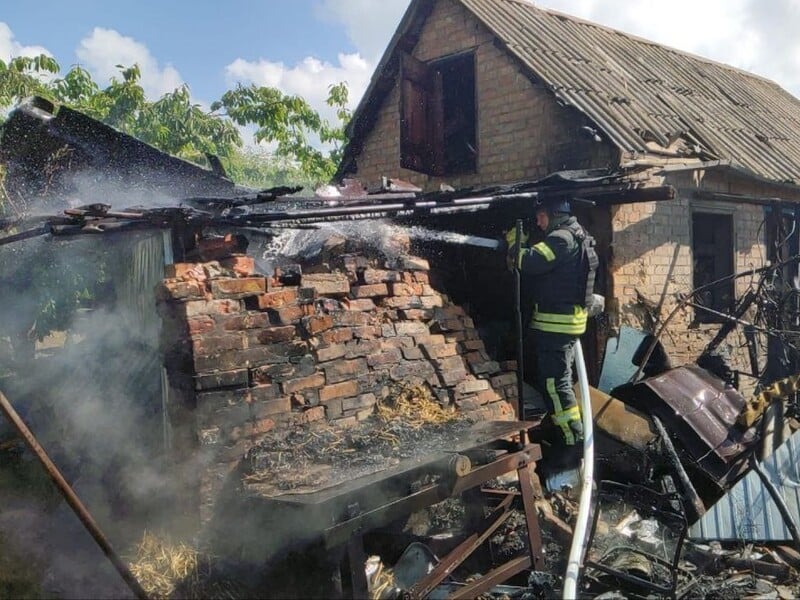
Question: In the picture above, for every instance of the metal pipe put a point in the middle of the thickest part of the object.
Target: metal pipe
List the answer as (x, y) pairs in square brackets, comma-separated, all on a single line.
[(72, 499), (520, 329), (696, 503), (578, 548)]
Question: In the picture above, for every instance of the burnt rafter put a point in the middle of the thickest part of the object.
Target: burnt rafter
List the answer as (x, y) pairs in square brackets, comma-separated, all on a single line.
[(277, 207)]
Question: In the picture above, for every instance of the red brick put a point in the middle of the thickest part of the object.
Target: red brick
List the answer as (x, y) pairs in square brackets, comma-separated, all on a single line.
[(336, 336), (371, 276), (273, 335), (309, 415), (370, 291), (412, 263), (413, 353), (344, 389), (251, 320), (506, 379), (236, 377), (238, 287), (185, 271), (347, 318), (362, 304), (432, 301), (345, 422), (411, 328), (476, 357), (471, 345), (268, 408), (487, 396), (406, 289), (327, 284), (472, 386), (175, 289), (317, 324), (342, 370), (241, 264), (277, 299), (387, 357), (421, 277), (368, 332), (194, 308), (214, 248), (200, 324), (330, 352), (403, 302), (296, 385), (288, 315), (360, 348), (451, 311), (361, 402), (262, 426), (416, 314), (207, 345)]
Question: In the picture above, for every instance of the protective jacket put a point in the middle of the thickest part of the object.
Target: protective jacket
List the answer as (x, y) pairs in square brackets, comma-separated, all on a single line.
[(564, 264)]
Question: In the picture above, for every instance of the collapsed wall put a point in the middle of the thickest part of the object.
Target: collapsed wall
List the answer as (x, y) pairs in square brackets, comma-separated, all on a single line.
[(247, 354)]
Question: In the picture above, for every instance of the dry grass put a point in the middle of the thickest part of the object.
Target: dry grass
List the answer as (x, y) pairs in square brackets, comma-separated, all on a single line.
[(416, 406), (175, 570)]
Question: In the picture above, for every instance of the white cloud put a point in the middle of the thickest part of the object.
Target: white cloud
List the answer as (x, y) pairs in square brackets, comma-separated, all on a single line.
[(310, 78), (753, 35), (748, 34), (369, 24), (10, 47), (103, 49)]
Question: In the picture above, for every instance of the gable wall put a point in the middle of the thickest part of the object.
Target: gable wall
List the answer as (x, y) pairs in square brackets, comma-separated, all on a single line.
[(522, 132)]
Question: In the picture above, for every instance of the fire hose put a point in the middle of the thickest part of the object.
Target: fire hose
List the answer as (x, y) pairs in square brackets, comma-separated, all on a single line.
[(579, 539)]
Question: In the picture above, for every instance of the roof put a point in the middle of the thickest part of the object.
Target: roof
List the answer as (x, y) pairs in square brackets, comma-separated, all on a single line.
[(645, 97)]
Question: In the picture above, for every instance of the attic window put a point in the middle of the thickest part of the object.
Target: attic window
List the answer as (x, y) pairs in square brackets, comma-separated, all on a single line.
[(437, 122), (712, 251)]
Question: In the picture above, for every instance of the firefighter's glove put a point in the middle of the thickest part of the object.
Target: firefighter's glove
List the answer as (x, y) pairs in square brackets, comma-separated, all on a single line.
[(513, 248)]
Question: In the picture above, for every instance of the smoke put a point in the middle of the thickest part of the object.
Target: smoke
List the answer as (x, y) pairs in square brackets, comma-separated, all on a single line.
[(89, 389), (292, 245)]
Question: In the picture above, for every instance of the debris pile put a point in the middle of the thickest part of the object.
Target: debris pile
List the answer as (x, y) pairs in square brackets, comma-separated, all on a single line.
[(409, 423), (320, 342)]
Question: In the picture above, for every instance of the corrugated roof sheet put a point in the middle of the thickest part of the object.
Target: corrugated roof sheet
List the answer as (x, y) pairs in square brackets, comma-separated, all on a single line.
[(635, 90), (747, 511)]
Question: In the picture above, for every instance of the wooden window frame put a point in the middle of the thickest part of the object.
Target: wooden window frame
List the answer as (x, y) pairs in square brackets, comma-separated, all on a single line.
[(722, 252), (422, 115)]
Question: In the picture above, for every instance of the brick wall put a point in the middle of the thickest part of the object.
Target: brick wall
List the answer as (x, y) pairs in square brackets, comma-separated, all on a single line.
[(247, 354), (652, 255), (522, 132)]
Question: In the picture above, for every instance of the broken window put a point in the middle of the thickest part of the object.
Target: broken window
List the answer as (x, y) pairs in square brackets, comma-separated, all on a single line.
[(437, 122), (712, 249)]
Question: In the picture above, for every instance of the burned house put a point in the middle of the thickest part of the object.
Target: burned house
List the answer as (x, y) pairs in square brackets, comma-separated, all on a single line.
[(692, 165), (313, 396)]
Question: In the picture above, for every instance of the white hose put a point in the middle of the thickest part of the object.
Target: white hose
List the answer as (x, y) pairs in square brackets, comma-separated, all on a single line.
[(578, 548)]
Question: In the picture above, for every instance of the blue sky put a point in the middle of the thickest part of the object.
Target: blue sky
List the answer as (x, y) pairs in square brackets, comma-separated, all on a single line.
[(197, 38), (303, 46)]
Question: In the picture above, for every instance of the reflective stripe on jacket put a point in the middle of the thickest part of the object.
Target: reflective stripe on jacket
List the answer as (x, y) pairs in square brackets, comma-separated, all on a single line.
[(559, 285), (570, 324)]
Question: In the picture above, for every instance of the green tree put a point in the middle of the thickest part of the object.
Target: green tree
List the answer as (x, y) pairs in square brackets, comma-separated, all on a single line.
[(307, 146), (291, 123), (24, 76)]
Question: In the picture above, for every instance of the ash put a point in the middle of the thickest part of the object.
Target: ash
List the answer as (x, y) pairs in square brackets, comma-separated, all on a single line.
[(308, 459)]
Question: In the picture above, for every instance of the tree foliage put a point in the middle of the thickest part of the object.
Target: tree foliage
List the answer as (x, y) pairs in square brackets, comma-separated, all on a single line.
[(304, 149), (306, 145)]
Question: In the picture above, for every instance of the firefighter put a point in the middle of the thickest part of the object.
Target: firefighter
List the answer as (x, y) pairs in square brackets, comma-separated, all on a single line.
[(559, 274)]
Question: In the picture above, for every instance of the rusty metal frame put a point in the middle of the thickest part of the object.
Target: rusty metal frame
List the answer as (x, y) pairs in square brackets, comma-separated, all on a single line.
[(522, 461)]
